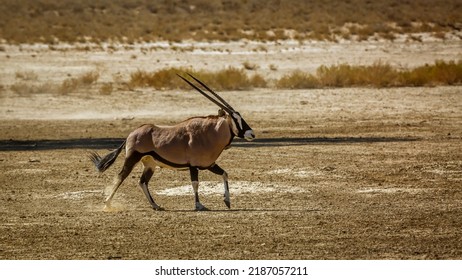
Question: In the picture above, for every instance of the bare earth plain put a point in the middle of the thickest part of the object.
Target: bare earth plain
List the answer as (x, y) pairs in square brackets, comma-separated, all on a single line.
[(356, 173)]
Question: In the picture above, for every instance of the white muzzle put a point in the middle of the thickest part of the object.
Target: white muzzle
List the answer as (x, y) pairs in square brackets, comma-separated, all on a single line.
[(248, 135)]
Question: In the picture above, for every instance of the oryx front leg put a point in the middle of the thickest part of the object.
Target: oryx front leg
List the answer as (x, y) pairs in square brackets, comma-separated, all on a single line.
[(227, 199), (195, 183), (218, 170)]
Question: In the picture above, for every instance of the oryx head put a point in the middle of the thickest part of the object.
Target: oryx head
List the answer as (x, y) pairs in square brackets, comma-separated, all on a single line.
[(238, 126)]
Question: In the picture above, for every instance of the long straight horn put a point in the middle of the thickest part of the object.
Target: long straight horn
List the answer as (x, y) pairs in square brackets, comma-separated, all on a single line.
[(212, 92), (229, 111)]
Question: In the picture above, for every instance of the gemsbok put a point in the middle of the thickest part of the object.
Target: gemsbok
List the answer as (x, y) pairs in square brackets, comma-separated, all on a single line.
[(194, 144)]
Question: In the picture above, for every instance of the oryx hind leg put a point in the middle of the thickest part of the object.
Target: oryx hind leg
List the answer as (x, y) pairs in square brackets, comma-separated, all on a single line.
[(130, 162), (219, 171), (144, 180)]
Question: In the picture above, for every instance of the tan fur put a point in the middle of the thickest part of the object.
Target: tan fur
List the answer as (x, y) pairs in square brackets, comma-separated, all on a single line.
[(196, 141)]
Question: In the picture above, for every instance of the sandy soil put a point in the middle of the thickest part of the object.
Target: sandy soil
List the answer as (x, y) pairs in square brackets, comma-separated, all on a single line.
[(334, 173)]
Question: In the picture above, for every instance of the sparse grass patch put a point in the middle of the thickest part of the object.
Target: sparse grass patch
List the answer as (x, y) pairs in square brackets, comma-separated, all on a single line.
[(68, 86), (162, 79), (230, 79), (226, 79), (297, 80), (257, 81), (23, 88), (88, 78), (106, 89), (72, 84), (377, 75), (26, 75), (440, 73)]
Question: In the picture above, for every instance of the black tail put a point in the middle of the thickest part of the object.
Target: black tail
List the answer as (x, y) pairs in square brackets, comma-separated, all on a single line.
[(104, 163)]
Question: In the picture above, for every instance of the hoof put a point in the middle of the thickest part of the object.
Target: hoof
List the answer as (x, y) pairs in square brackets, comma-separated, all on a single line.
[(110, 208), (228, 203), (107, 208), (107, 205), (201, 208), (158, 208)]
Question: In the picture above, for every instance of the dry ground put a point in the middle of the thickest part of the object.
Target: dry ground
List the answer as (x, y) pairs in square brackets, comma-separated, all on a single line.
[(355, 173), (334, 174)]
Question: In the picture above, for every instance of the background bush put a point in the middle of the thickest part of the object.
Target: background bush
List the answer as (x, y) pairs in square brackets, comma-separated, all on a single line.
[(50, 21)]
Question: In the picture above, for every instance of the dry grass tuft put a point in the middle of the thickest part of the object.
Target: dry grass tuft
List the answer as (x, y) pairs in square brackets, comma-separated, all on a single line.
[(72, 84), (26, 75), (257, 81), (440, 73), (377, 75), (23, 88), (88, 78), (106, 89), (226, 79), (162, 79), (297, 80)]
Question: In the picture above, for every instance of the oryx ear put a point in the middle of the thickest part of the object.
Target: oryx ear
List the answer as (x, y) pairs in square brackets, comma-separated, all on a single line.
[(221, 113)]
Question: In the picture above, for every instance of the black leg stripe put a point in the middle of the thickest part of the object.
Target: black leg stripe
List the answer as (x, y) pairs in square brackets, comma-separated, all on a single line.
[(194, 174), (216, 169)]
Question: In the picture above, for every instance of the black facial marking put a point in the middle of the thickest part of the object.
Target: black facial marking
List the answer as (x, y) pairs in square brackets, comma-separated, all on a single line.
[(243, 129)]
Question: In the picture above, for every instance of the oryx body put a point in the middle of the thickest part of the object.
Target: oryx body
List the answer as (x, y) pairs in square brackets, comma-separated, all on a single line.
[(194, 144)]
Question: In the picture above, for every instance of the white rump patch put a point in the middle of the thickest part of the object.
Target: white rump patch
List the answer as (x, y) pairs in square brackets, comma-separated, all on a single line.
[(235, 187)]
